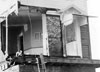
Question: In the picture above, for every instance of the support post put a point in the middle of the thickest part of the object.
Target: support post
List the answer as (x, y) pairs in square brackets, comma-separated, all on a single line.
[(89, 38), (63, 36), (6, 52), (45, 35)]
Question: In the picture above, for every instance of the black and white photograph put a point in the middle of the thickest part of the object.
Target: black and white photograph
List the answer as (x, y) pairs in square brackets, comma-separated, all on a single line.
[(49, 36)]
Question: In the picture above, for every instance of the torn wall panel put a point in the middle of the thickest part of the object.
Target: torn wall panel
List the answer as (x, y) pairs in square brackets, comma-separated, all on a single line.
[(54, 35)]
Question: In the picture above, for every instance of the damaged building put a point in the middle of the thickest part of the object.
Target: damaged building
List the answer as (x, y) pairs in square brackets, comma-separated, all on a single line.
[(47, 36)]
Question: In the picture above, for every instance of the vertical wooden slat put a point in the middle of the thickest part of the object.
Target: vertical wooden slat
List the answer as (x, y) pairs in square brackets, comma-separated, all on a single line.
[(63, 40), (85, 40), (45, 39), (6, 52), (89, 38)]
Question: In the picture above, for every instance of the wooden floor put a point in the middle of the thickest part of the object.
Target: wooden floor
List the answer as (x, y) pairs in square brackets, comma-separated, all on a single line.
[(31, 59), (76, 61), (28, 63)]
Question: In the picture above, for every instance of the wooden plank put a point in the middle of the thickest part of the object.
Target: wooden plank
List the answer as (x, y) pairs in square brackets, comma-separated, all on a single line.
[(42, 63), (63, 60)]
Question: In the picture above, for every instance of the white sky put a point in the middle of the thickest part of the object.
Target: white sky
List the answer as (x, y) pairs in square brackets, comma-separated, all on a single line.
[(93, 9)]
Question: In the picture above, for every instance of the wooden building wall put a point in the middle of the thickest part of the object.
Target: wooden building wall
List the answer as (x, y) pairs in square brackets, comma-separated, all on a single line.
[(85, 41), (32, 37), (33, 42)]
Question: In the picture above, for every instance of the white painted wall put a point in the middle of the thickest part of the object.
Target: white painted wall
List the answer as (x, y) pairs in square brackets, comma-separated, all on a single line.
[(27, 38), (73, 48), (36, 29), (31, 44)]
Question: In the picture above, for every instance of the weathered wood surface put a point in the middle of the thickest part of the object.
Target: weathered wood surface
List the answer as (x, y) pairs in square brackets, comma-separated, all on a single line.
[(59, 64), (63, 60), (85, 40)]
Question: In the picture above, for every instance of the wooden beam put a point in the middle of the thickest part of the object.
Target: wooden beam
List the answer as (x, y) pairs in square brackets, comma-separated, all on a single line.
[(76, 61), (6, 52), (45, 35)]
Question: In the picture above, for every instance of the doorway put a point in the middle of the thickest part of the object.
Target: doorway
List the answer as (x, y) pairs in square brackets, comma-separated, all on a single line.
[(13, 32), (20, 44)]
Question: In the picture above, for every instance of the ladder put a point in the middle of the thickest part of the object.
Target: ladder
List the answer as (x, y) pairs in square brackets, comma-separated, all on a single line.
[(41, 63)]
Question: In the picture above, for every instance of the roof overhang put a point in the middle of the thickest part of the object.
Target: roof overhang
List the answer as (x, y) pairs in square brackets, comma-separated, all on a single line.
[(7, 7), (38, 7), (56, 4), (85, 15), (53, 4)]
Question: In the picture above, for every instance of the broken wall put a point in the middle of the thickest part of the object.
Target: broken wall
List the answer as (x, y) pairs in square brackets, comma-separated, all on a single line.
[(54, 35)]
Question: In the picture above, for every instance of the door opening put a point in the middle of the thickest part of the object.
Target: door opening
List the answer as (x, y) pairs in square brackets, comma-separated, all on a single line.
[(21, 44)]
